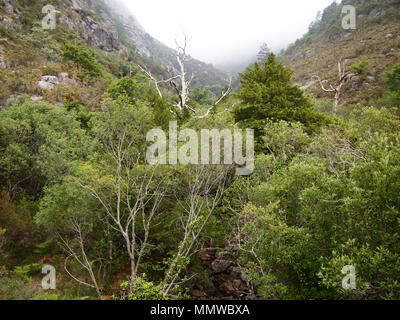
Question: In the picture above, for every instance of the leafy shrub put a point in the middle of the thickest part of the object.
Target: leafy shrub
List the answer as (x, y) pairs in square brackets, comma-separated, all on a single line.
[(42, 41), (84, 58), (360, 68), (143, 290)]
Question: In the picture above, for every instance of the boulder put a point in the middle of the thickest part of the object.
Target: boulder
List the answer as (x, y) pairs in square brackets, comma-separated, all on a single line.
[(225, 256), (7, 23), (219, 266), (48, 82), (389, 36), (207, 254), (236, 272), (36, 98), (9, 8), (309, 53), (370, 79), (3, 64), (354, 81), (13, 99), (76, 6)]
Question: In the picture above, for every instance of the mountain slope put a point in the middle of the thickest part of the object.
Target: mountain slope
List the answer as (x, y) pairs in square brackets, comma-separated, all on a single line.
[(129, 30), (102, 29), (375, 45)]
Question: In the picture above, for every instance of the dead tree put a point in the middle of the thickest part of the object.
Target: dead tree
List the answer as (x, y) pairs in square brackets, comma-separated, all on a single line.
[(180, 83), (337, 89), (224, 94), (183, 91)]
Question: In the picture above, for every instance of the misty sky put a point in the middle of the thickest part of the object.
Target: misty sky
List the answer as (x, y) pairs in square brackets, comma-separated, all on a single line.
[(227, 31)]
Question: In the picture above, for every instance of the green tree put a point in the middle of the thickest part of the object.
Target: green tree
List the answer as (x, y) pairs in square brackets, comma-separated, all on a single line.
[(391, 98), (38, 141), (84, 58), (268, 94), (321, 204), (126, 88)]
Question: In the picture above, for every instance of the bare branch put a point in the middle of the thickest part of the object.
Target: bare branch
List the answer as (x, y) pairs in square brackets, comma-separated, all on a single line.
[(223, 96), (337, 89)]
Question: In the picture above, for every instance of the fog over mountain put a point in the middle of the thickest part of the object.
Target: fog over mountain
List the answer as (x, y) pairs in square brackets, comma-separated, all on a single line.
[(227, 32)]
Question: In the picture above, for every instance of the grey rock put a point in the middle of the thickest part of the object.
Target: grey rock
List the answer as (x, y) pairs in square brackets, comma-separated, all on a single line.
[(9, 8), (389, 36), (220, 265), (3, 64), (7, 23), (48, 82), (236, 272), (13, 99), (309, 83), (92, 32), (374, 13), (310, 53), (228, 287), (63, 75), (76, 6), (370, 79), (225, 256), (36, 98), (354, 81)]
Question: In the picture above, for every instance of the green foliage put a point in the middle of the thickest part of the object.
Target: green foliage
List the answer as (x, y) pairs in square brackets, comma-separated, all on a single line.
[(144, 290), (328, 201), (42, 40), (84, 58), (80, 113), (323, 195), (14, 287), (391, 97), (46, 296), (393, 78), (361, 67), (126, 88), (267, 94), (38, 141)]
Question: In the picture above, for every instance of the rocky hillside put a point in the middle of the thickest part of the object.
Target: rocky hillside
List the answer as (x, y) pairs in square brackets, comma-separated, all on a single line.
[(92, 38), (368, 51), (129, 30)]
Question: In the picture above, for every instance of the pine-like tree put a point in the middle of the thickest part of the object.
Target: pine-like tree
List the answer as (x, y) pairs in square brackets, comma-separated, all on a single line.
[(267, 94)]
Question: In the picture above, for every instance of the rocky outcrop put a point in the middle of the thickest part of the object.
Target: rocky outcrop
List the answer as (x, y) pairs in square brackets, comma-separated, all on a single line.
[(133, 29), (49, 82), (225, 279), (3, 64), (82, 19), (357, 82), (302, 55), (9, 8)]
